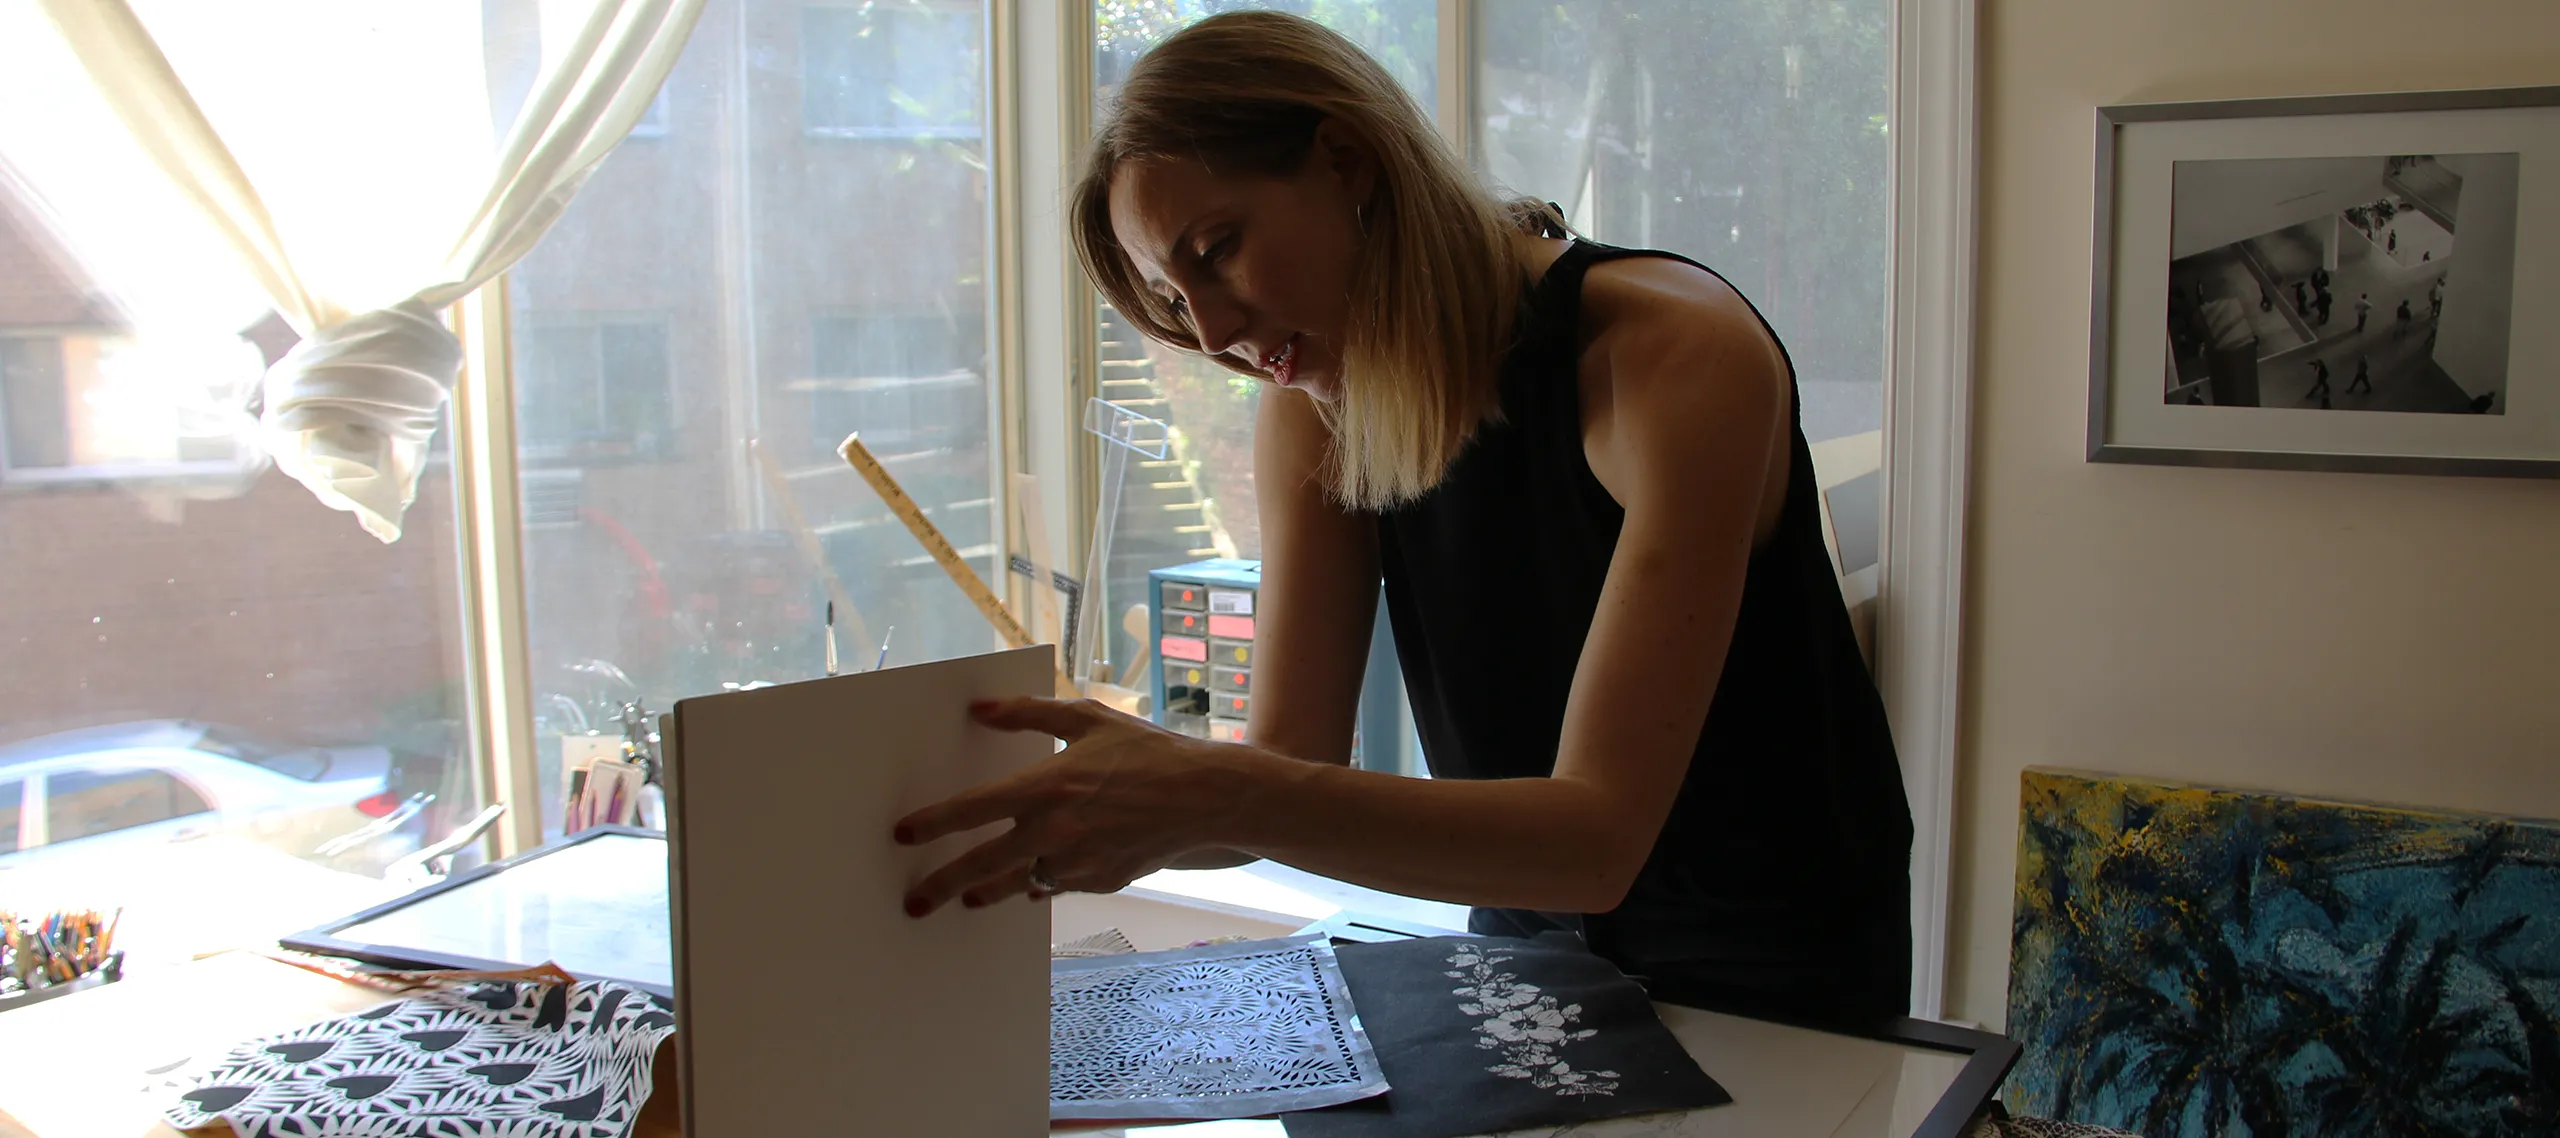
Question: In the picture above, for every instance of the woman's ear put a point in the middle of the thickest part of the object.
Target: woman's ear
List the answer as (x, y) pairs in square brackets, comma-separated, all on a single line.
[(1347, 156)]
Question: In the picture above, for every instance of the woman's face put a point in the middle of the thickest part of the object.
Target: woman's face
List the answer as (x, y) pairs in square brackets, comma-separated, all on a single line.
[(1261, 266)]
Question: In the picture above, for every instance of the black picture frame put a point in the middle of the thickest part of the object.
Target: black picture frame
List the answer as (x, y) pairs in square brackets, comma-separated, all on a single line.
[(1988, 1056), (323, 939)]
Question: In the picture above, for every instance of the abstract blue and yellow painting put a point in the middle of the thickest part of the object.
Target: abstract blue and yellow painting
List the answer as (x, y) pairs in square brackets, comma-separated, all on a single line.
[(2196, 961)]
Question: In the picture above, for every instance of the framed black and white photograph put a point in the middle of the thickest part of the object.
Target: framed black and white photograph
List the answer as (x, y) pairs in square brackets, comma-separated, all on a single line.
[(2350, 283)]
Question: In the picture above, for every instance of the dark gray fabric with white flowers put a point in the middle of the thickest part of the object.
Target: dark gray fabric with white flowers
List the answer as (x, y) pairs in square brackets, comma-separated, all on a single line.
[(1483, 1034)]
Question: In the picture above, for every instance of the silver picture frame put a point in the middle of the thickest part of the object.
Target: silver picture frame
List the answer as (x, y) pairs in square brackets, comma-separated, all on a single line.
[(2226, 161)]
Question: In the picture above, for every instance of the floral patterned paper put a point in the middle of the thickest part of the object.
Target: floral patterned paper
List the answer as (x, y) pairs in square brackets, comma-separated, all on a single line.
[(1525, 1024), (1482, 1035)]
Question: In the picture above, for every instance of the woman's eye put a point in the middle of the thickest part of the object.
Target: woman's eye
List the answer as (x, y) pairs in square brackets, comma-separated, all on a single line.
[(1225, 248)]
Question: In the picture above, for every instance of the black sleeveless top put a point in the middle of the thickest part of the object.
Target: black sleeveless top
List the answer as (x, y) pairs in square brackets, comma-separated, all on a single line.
[(1781, 879)]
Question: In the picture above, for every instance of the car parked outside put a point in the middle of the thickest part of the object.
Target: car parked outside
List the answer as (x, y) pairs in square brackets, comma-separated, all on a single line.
[(155, 782)]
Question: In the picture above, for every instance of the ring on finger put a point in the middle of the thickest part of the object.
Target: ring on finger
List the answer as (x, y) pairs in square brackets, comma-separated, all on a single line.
[(1041, 881)]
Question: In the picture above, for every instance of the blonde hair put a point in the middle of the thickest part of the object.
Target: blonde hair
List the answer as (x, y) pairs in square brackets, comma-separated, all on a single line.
[(1436, 284)]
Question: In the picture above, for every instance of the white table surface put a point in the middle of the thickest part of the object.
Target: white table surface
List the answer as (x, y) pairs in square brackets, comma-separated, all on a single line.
[(1786, 1081)]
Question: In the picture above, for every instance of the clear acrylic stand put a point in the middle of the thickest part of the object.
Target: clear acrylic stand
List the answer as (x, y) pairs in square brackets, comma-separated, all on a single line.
[(1123, 433)]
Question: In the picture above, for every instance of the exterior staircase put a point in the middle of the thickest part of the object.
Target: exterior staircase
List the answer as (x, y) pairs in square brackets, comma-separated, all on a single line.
[(1166, 516)]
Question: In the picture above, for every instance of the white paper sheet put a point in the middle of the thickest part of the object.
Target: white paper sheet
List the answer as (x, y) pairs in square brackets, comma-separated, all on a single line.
[(807, 1000)]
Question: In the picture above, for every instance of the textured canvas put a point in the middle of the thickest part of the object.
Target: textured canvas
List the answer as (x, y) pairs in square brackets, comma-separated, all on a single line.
[(2195, 961)]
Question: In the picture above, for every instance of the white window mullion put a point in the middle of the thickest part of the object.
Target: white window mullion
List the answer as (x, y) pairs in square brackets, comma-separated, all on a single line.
[(1006, 407), (496, 659), (1927, 418), (1052, 99)]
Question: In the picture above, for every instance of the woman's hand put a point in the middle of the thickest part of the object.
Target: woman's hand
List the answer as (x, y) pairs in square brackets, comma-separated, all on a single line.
[(1124, 799)]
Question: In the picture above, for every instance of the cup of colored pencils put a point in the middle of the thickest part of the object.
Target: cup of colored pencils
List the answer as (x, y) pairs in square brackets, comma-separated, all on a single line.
[(40, 953)]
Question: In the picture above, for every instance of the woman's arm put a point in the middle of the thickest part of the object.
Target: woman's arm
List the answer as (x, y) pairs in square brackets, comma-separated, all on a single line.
[(1319, 593), (1694, 406), (1317, 601)]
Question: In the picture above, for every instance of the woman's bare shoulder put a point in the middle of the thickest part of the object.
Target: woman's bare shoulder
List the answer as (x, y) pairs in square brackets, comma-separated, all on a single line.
[(1648, 298)]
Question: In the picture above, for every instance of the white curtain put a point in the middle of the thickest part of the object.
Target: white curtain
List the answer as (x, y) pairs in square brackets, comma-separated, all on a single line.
[(374, 207)]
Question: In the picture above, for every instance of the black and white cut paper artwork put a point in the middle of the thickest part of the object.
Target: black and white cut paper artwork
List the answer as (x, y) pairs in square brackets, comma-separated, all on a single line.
[(1225, 1031), (525, 1060)]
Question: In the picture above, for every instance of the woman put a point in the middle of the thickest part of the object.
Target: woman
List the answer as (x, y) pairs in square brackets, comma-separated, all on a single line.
[(1577, 470)]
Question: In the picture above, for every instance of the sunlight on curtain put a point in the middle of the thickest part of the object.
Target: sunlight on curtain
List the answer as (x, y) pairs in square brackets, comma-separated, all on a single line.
[(337, 147)]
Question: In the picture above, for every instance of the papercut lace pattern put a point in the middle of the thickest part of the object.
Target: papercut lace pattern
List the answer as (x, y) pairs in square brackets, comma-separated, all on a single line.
[(502, 1059), (1525, 1024), (1229, 1031)]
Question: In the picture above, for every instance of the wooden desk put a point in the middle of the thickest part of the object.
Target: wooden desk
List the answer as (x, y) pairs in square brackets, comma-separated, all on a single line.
[(95, 1064)]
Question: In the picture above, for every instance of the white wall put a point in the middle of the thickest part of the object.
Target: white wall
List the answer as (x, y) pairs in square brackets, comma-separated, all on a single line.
[(2480, 293), (2383, 637), (2217, 203)]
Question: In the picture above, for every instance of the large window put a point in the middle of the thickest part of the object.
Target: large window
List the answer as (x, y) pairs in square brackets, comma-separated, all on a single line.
[(1198, 502), (1748, 134), (796, 247), (807, 237), (205, 674)]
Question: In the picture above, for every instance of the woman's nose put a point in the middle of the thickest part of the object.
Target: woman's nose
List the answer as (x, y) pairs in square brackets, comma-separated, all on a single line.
[(1219, 324)]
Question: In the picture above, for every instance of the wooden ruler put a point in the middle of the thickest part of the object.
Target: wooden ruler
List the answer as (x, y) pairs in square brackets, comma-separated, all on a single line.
[(953, 565), (778, 491)]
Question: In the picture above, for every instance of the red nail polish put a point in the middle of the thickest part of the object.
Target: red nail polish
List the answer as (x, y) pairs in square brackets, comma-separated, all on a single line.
[(972, 902), (916, 907), (905, 835)]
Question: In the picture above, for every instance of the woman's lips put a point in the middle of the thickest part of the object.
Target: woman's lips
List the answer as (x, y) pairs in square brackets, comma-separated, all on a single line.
[(1283, 364)]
